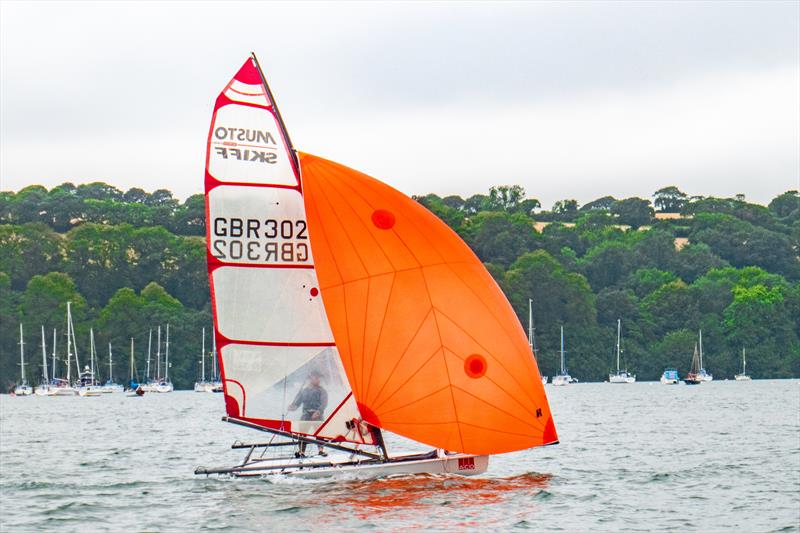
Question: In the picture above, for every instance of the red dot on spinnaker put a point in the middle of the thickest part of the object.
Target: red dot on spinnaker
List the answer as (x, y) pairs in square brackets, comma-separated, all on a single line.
[(475, 366), (383, 219), (314, 291)]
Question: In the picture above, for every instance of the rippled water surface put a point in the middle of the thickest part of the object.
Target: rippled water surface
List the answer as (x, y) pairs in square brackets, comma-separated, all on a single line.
[(643, 457)]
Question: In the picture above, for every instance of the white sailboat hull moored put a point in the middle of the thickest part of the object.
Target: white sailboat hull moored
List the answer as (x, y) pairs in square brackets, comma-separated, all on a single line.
[(23, 390), (622, 377), (742, 377), (561, 380)]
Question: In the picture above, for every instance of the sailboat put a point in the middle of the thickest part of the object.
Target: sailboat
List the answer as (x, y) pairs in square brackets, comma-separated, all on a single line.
[(64, 386), (532, 339), (743, 376), (694, 377), (134, 387), (704, 376), (563, 377), (326, 280), (45, 387), (216, 382), (203, 385), (88, 382), (621, 376), (159, 383), (110, 386), (22, 388)]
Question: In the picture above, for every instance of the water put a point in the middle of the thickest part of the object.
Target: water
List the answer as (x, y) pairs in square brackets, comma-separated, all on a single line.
[(644, 457)]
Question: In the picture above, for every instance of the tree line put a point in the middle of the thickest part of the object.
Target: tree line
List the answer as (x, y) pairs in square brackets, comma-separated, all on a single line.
[(130, 261)]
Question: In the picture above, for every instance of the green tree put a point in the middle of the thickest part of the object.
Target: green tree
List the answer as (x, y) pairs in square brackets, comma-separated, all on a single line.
[(634, 212), (669, 199)]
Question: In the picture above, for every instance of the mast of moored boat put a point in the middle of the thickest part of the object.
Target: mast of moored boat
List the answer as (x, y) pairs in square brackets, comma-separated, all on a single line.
[(110, 365), (92, 352), (53, 373), (563, 366), (701, 349), (149, 350), (45, 377), (69, 343), (203, 358), (619, 332), (131, 369), (158, 355), (744, 362), (21, 356), (166, 358), (74, 345)]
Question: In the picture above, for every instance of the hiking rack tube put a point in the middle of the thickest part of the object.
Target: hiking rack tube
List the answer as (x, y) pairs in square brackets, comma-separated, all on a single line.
[(304, 438)]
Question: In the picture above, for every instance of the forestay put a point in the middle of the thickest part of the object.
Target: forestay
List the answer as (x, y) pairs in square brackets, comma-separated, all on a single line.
[(270, 322)]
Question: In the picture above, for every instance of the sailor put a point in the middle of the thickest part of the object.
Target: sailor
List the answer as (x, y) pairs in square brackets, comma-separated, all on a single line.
[(312, 399)]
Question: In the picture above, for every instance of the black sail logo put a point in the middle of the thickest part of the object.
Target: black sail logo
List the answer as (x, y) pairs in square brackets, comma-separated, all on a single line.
[(245, 144)]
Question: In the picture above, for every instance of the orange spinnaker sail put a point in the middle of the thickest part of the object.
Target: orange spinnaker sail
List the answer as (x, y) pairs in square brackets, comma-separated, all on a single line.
[(431, 347)]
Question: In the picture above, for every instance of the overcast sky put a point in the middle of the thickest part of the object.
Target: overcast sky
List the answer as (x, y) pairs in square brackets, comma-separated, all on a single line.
[(570, 100)]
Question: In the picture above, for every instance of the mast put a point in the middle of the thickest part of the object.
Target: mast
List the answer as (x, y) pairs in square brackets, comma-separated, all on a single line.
[(619, 328), (744, 362), (284, 131), (44, 358), (158, 355), (110, 365), (21, 355), (75, 346), (531, 340), (91, 353), (213, 358), (53, 373), (131, 359), (563, 369), (166, 358), (701, 350), (149, 345), (69, 343), (203, 358)]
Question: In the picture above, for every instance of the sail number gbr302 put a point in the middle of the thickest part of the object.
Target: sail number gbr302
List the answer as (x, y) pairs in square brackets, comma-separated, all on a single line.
[(255, 240)]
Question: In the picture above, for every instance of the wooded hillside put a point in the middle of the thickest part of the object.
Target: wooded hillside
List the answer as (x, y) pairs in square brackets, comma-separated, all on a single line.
[(132, 260)]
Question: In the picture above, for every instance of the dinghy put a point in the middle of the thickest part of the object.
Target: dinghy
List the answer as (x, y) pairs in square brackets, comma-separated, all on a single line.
[(343, 309)]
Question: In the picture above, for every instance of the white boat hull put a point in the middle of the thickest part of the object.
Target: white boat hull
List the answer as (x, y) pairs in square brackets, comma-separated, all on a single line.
[(621, 378), (561, 380), (111, 389), (90, 391), (203, 386), (317, 467), (669, 381), (158, 387), (23, 390), (742, 377)]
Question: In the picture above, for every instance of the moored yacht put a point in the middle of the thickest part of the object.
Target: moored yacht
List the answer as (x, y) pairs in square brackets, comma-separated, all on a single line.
[(620, 376), (670, 377), (563, 377)]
